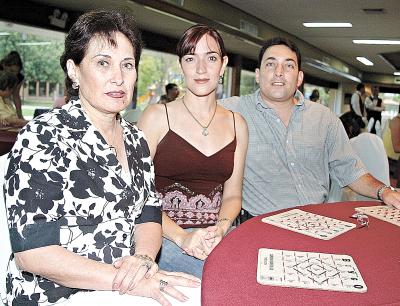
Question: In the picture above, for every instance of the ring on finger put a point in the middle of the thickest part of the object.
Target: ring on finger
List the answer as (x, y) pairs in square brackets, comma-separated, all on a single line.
[(163, 284), (148, 264)]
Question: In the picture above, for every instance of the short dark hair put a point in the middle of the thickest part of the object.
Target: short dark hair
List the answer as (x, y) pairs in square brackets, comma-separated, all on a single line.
[(104, 24), (12, 58), (189, 39), (7, 80), (275, 41), (359, 86), (169, 86), (352, 124)]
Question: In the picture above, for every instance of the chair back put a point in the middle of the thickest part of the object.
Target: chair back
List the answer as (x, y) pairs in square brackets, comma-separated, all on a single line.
[(5, 244)]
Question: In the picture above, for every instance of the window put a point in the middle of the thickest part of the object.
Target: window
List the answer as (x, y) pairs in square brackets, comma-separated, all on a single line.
[(40, 51), (247, 82), (156, 69), (327, 96)]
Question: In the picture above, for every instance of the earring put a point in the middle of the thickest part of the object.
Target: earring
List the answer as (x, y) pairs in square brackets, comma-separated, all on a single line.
[(221, 79), (75, 85)]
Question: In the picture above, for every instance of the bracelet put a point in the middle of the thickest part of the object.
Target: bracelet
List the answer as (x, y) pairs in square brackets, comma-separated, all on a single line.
[(144, 257), (379, 193)]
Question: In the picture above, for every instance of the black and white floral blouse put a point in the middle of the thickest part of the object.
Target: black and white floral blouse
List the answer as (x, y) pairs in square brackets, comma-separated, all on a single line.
[(64, 186)]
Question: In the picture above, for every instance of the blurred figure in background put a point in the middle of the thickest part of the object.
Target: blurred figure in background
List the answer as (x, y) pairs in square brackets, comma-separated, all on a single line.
[(391, 140), (375, 107), (12, 63), (8, 114), (315, 96), (172, 92)]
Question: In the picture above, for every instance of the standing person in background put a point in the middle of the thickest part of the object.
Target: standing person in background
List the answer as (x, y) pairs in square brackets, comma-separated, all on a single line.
[(295, 146), (13, 63), (198, 148), (80, 196), (375, 107), (172, 92), (357, 105)]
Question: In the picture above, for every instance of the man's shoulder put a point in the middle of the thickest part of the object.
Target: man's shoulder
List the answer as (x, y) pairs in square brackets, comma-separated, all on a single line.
[(236, 103)]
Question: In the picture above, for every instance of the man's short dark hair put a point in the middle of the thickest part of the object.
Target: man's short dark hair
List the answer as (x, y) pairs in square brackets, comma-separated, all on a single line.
[(170, 86), (352, 124), (7, 80), (359, 86), (275, 41)]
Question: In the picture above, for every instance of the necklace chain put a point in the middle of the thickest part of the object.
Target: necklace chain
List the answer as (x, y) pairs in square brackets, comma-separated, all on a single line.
[(205, 131)]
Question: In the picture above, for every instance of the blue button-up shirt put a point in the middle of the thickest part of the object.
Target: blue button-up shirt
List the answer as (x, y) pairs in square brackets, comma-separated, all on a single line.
[(291, 166)]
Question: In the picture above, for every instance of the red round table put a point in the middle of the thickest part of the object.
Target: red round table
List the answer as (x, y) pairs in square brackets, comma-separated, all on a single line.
[(230, 272)]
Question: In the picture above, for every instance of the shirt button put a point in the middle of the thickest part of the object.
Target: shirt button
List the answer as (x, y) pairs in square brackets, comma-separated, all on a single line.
[(292, 164), (278, 120)]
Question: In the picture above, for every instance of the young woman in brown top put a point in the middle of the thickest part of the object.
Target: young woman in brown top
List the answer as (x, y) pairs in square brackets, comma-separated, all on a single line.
[(199, 150)]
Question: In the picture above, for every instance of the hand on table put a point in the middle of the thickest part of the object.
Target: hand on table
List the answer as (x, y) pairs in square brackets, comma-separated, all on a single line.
[(132, 270), (162, 283), (391, 197)]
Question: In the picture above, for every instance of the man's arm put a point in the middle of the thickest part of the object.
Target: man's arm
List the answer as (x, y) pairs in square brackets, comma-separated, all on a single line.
[(368, 186)]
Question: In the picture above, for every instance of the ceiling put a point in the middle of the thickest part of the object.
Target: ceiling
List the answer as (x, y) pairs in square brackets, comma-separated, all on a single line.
[(288, 15)]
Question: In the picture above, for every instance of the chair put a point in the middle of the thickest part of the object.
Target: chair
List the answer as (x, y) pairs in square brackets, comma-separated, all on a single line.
[(5, 244), (370, 149), (370, 124)]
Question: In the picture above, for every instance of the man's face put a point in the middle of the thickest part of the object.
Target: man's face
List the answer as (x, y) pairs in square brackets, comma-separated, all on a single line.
[(375, 91), (279, 75), (173, 92)]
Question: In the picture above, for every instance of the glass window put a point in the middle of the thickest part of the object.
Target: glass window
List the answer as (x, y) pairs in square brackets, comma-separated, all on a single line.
[(247, 82), (40, 51), (156, 69), (327, 95)]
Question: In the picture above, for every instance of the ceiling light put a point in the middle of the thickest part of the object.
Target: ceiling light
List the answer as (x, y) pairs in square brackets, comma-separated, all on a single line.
[(376, 42), (397, 73), (365, 61), (327, 25), (35, 43), (4, 33)]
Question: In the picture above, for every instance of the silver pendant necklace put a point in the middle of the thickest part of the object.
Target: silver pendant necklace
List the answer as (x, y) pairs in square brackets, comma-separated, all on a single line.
[(205, 131)]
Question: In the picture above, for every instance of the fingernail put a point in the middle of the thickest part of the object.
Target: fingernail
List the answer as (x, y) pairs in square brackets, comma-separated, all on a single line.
[(185, 298), (114, 286)]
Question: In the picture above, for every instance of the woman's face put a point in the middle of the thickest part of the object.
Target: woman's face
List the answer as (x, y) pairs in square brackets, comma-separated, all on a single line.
[(107, 74), (203, 69)]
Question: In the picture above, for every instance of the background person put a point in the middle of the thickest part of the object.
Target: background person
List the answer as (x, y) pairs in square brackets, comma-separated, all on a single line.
[(79, 189), (172, 92), (295, 146), (374, 106), (315, 96), (357, 104), (198, 148), (12, 63), (8, 114)]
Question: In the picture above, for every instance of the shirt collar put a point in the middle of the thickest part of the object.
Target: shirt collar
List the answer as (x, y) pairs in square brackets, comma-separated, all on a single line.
[(260, 104)]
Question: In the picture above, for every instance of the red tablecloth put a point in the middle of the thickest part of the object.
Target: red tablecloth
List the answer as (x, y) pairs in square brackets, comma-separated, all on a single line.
[(230, 272)]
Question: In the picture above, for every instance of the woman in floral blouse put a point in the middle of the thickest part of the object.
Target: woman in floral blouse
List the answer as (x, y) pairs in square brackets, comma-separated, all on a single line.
[(79, 189)]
